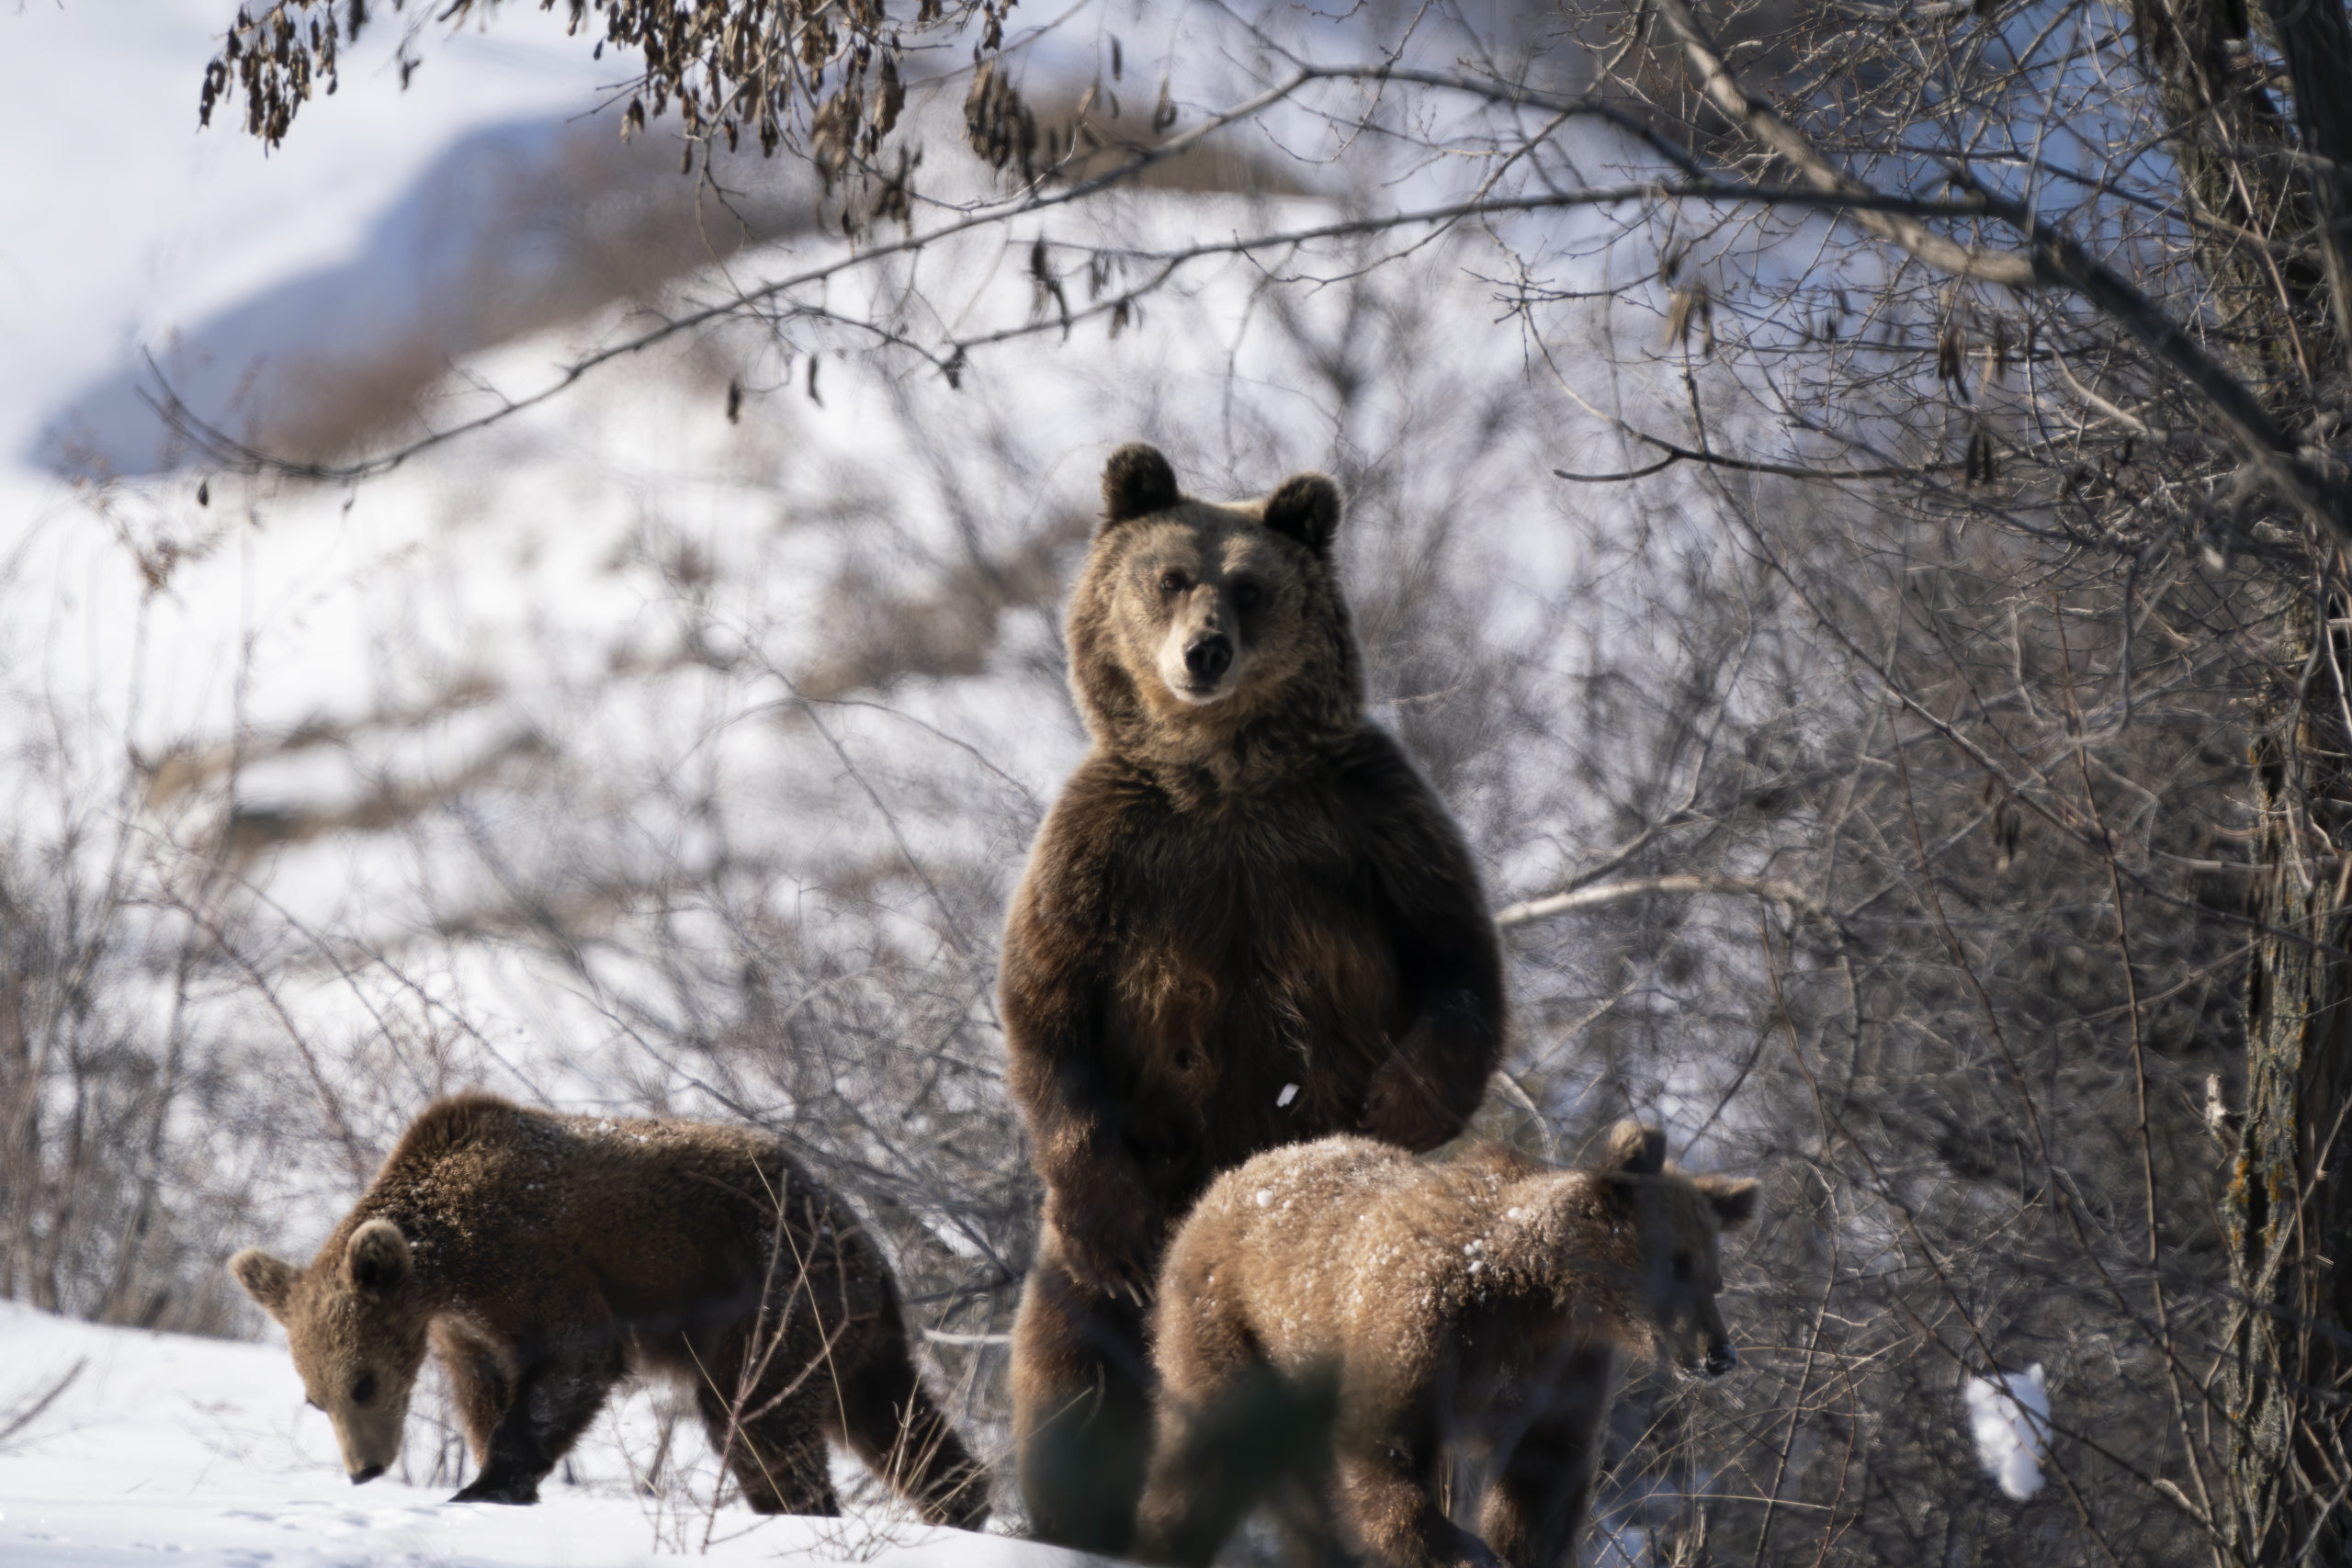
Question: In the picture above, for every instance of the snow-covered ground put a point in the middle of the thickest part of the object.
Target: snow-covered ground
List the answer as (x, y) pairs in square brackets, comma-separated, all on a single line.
[(178, 1452)]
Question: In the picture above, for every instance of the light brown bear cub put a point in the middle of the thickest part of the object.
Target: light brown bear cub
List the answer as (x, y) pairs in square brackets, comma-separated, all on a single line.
[(1481, 1307), (1248, 922), (543, 1256)]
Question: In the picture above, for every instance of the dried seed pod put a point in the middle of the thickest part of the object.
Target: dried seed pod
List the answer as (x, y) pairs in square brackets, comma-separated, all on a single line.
[(1979, 464), (889, 97), (1681, 306), (2007, 826), (832, 134)]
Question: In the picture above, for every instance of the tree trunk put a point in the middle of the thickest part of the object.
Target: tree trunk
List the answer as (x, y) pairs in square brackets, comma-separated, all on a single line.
[(2290, 1206), (2235, 175), (2280, 312), (2316, 41)]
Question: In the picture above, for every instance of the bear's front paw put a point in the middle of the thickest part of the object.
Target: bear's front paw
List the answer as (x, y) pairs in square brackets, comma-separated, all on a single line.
[(499, 1489), (1111, 1270), (1109, 1246)]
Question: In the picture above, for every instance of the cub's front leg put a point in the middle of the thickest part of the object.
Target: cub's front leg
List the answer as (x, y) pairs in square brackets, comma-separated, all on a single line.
[(479, 1385), (1387, 1499), (549, 1401), (1541, 1491)]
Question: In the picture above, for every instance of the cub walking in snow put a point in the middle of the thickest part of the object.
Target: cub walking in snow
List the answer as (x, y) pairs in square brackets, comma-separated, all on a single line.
[(543, 1256), (1396, 1310)]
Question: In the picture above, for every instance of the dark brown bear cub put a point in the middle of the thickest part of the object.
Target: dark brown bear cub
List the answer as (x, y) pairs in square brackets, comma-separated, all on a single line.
[(1246, 922), (543, 1256), (1482, 1306)]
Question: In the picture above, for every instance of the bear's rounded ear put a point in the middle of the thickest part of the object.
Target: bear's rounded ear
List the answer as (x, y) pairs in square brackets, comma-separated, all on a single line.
[(269, 1280), (377, 1258), (1734, 1199), (1306, 507), (1136, 481), (1635, 1150)]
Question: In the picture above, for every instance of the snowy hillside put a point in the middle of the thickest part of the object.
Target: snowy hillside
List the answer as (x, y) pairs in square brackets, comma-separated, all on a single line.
[(199, 1453)]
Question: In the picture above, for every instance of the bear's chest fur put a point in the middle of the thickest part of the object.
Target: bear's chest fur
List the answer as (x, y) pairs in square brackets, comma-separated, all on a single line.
[(1252, 983)]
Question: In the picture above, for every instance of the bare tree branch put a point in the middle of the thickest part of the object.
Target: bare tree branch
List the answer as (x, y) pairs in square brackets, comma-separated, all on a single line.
[(1787, 894)]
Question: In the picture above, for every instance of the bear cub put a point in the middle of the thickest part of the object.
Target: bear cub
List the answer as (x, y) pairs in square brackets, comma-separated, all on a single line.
[(1418, 1310), (544, 1257)]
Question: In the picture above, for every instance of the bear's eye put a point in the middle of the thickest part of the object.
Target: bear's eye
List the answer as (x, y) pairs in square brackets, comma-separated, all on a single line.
[(1682, 1266), (1173, 582), (364, 1389), (1245, 595)]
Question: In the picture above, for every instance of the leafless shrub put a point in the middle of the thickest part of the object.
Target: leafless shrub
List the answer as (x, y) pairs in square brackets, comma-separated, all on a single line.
[(113, 1200)]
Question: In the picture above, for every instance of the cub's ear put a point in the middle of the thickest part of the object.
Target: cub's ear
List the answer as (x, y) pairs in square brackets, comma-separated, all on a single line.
[(1136, 481), (1634, 1150), (377, 1258), (1735, 1200), (269, 1280), (1306, 507)]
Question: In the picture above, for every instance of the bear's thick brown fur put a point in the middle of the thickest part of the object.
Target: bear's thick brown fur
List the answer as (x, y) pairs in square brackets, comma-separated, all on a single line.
[(542, 1257), (1246, 922), (1421, 1311)]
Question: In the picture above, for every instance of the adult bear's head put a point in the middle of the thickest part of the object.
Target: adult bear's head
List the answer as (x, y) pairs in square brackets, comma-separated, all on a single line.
[(1199, 628), (358, 1329)]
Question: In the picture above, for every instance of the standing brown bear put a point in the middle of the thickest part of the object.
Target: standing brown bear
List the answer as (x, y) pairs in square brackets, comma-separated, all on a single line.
[(545, 1256), (1246, 922), (1483, 1306)]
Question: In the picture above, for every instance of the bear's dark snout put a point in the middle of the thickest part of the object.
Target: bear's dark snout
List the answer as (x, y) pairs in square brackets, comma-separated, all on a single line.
[(362, 1477), (1209, 658)]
